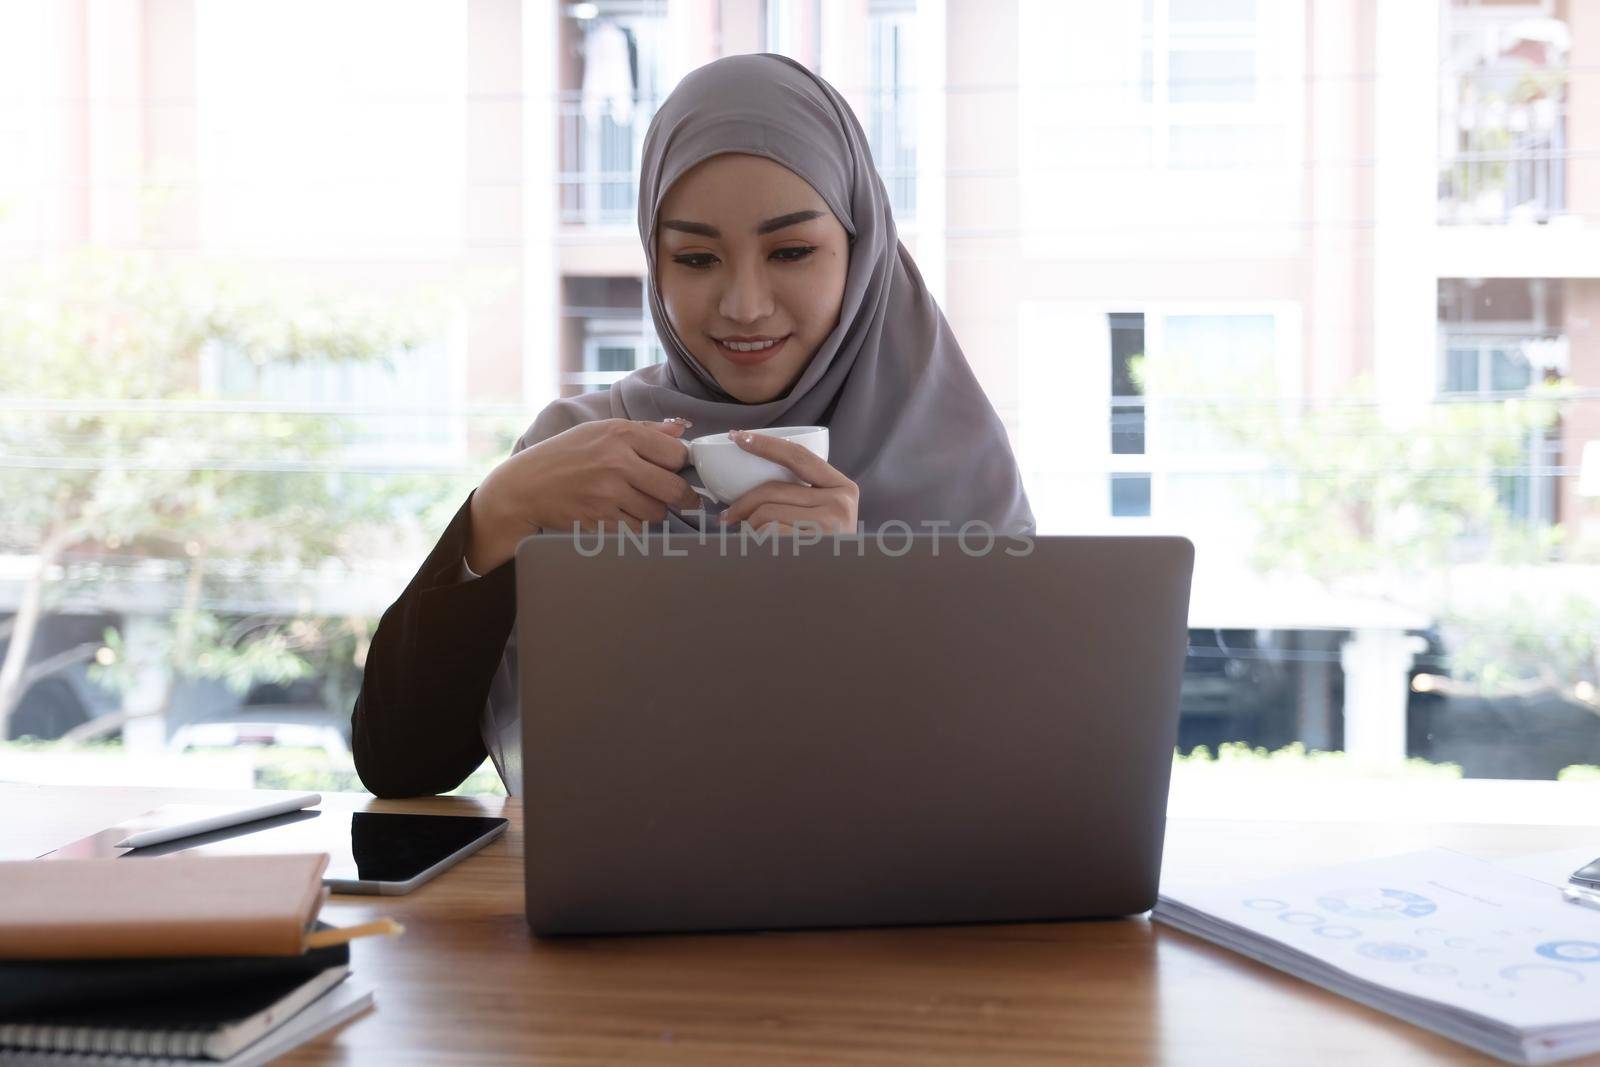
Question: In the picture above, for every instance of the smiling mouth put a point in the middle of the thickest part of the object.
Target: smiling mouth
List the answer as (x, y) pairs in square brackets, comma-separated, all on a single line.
[(749, 352)]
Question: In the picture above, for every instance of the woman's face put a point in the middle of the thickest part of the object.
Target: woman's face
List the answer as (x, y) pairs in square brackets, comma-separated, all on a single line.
[(748, 254)]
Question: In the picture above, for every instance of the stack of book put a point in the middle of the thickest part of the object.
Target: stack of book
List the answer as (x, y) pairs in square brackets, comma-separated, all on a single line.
[(176, 960)]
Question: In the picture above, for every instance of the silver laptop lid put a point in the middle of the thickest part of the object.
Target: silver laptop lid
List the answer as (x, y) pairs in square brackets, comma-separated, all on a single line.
[(858, 732)]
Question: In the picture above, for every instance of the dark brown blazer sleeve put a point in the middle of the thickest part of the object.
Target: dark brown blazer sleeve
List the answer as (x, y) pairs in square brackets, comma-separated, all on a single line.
[(415, 727)]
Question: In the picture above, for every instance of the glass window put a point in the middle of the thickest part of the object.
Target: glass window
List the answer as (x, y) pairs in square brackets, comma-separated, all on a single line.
[(1508, 370), (1212, 75), (1212, 10), (615, 357), (1223, 369), (1130, 495), (1200, 65), (608, 94), (892, 117), (261, 333), (1461, 370), (1127, 394), (1200, 147)]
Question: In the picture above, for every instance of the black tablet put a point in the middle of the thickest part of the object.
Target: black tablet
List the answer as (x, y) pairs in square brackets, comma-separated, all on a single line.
[(368, 851)]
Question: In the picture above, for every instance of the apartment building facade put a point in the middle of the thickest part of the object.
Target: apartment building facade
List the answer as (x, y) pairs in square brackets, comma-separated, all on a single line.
[(1128, 215)]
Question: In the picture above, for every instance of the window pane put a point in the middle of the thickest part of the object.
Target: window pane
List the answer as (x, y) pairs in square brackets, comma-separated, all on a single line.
[(1127, 347), (1212, 76), (891, 123), (1212, 10), (614, 358), (1224, 370), (1509, 370), (1222, 147), (1130, 495), (1222, 353), (1461, 370)]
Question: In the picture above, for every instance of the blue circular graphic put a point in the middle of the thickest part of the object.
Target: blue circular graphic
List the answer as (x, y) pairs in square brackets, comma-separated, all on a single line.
[(1301, 918), (1266, 903), (1571, 951), (1378, 904), (1337, 932), (1542, 974), (1390, 951)]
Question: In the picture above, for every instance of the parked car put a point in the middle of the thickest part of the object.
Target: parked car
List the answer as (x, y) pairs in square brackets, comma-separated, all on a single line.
[(264, 726), (1236, 686), (65, 697)]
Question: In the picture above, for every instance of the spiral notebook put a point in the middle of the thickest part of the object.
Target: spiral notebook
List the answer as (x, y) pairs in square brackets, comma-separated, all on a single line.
[(194, 1010), (332, 1007)]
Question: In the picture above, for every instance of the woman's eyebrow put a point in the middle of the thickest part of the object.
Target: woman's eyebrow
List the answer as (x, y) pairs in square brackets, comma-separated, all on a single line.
[(787, 220), (767, 227)]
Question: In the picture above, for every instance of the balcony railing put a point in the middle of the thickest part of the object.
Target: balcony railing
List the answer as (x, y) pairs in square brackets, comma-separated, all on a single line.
[(599, 162), (1503, 366), (1504, 156), (599, 176)]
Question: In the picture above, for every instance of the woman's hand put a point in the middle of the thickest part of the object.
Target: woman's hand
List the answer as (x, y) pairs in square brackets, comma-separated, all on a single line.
[(614, 471), (827, 505)]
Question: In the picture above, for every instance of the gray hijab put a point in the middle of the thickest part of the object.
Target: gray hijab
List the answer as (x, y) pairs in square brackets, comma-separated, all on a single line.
[(907, 419)]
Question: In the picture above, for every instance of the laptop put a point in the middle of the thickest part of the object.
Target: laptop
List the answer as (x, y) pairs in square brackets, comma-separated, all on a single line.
[(727, 734)]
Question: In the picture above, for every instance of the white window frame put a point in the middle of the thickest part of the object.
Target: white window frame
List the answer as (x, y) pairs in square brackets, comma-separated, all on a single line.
[(1266, 109), (613, 333), (901, 16), (1456, 334), (1058, 445)]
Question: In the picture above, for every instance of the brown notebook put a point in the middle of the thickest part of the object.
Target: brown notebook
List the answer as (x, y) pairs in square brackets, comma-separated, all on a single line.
[(165, 906)]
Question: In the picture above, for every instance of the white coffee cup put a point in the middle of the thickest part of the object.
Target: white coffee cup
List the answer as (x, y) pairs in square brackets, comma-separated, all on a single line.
[(729, 472)]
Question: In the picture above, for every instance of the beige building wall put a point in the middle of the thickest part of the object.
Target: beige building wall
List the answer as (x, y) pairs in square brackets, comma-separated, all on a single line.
[(1324, 269), (122, 166), (1583, 107), (1581, 424), (492, 224), (108, 157), (983, 260)]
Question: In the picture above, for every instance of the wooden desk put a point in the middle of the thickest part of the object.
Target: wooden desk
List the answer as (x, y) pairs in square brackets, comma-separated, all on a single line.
[(468, 984)]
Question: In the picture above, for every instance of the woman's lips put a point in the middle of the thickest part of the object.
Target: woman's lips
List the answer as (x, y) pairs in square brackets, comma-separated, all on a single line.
[(751, 359)]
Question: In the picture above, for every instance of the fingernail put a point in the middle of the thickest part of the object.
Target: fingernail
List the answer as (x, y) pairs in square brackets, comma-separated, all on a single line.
[(743, 436), (685, 423)]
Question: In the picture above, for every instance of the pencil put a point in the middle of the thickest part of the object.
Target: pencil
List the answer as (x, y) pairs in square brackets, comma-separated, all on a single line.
[(342, 934)]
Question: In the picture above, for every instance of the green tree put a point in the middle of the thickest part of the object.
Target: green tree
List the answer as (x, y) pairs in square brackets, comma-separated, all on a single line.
[(117, 464), (1413, 510)]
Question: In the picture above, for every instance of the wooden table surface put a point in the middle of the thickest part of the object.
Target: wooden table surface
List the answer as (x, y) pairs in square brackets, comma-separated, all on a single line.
[(468, 984)]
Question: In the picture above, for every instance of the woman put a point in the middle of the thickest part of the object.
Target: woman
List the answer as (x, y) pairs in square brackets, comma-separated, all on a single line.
[(783, 297)]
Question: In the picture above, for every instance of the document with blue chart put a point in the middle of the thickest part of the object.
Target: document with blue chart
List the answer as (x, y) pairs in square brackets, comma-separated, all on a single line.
[(1482, 954)]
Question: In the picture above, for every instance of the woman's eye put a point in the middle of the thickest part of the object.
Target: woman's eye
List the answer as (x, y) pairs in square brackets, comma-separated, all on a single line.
[(696, 260), (792, 255)]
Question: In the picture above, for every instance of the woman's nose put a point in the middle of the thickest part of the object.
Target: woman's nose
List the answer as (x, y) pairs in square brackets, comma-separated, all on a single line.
[(748, 297)]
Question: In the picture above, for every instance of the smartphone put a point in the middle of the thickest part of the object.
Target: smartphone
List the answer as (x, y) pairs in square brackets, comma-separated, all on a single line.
[(1588, 877)]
